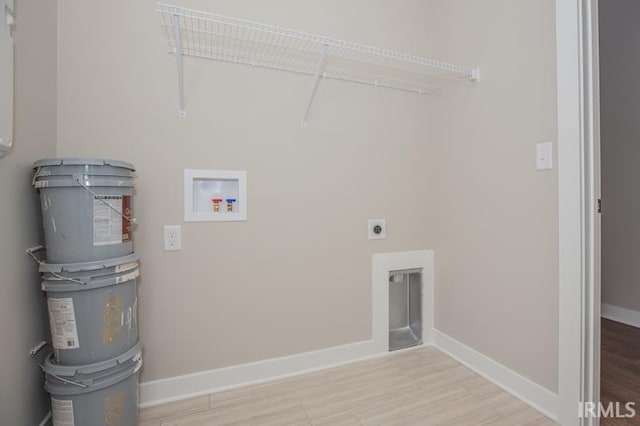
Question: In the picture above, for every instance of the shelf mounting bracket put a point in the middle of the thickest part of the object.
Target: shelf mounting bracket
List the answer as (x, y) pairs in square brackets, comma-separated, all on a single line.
[(475, 75), (182, 112), (316, 80)]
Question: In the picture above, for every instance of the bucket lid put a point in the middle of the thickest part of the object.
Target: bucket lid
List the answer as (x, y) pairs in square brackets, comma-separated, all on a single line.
[(89, 275), (83, 162), (81, 383), (77, 373), (88, 266)]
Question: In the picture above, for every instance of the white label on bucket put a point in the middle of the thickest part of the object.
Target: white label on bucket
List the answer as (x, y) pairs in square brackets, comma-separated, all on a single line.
[(126, 266), (62, 319), (128, 277), (41, 184), (62, 412), (107, 221)]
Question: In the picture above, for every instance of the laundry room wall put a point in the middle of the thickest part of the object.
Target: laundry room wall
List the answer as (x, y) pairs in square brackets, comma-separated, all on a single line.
[(454, 172), (296, 276), (23, 400), (496, 239)]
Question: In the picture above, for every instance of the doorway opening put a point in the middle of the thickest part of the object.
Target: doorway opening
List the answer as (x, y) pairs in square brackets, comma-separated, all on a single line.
[(619, 103)]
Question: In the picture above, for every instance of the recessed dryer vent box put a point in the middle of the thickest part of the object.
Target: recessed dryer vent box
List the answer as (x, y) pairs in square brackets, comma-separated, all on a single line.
[(405, 308), (215, 195)]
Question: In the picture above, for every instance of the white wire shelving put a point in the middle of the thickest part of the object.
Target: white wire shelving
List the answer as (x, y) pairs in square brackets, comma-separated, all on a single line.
[(206, 35)]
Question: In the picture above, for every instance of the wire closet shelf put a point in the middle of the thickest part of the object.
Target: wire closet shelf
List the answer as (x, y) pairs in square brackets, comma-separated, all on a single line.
[(206, 35)]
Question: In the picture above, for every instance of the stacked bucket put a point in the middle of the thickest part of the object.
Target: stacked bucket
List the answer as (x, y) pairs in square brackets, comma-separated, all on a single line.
[(90, 277)]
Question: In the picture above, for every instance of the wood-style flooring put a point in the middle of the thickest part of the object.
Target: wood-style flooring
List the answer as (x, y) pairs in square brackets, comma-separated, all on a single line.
[(415, 387), (620, 369)]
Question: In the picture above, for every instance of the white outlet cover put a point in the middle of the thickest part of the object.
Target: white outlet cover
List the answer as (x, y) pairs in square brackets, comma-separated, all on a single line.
[(173, 238), (371, 224)]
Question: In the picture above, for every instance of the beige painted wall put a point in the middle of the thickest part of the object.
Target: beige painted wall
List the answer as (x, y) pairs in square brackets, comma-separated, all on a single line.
[(620, 130), (296, 276), (496, 232), (23, 400), (453, 172)]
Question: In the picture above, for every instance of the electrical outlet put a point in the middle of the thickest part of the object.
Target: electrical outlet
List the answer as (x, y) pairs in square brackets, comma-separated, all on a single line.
[(377, 229), (173, 238)]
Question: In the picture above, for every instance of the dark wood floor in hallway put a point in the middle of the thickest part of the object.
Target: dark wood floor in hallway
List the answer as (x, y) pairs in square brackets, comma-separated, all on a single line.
[(620, 369)]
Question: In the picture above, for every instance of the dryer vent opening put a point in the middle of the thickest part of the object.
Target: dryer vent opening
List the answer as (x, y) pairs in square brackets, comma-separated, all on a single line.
[(405, 308)]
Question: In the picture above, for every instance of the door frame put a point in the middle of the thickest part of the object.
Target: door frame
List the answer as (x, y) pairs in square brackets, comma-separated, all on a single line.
[(579, 227)]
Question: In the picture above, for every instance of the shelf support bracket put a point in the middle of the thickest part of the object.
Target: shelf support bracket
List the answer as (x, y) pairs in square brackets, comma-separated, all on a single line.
[(316, 80), (182, 112), (475, 75)]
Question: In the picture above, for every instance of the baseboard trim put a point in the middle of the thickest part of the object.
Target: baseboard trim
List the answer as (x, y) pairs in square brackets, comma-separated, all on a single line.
[(177, 388), (542, 399), (620, 314)]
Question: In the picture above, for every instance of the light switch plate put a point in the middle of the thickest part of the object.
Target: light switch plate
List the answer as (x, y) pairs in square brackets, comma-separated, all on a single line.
[(544, 156)]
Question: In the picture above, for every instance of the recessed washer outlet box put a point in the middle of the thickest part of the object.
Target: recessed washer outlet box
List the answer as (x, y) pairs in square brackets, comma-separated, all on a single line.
[(215, 195)]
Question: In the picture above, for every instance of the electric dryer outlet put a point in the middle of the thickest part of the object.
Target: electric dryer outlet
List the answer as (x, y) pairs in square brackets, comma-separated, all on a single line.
[(377, 229)]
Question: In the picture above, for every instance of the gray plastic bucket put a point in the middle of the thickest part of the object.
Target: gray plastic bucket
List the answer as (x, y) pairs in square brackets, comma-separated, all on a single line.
[(98, 394), (92, 308), (86, 208)]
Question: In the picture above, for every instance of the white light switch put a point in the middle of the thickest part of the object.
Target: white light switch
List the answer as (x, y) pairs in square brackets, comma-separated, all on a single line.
[(544, 160)]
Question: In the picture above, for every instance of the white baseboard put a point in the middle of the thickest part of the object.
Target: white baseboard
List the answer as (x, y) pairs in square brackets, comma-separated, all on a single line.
[(618, 314), (192, 385), (532, 393), (203, 383)]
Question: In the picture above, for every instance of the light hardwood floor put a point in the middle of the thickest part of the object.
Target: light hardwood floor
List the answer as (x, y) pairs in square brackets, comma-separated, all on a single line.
[(416, 387)]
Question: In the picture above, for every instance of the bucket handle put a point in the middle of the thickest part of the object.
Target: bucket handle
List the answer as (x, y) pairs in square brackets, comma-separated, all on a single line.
[(34, 352), (31, 252), (40, 172), (131, 220)]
